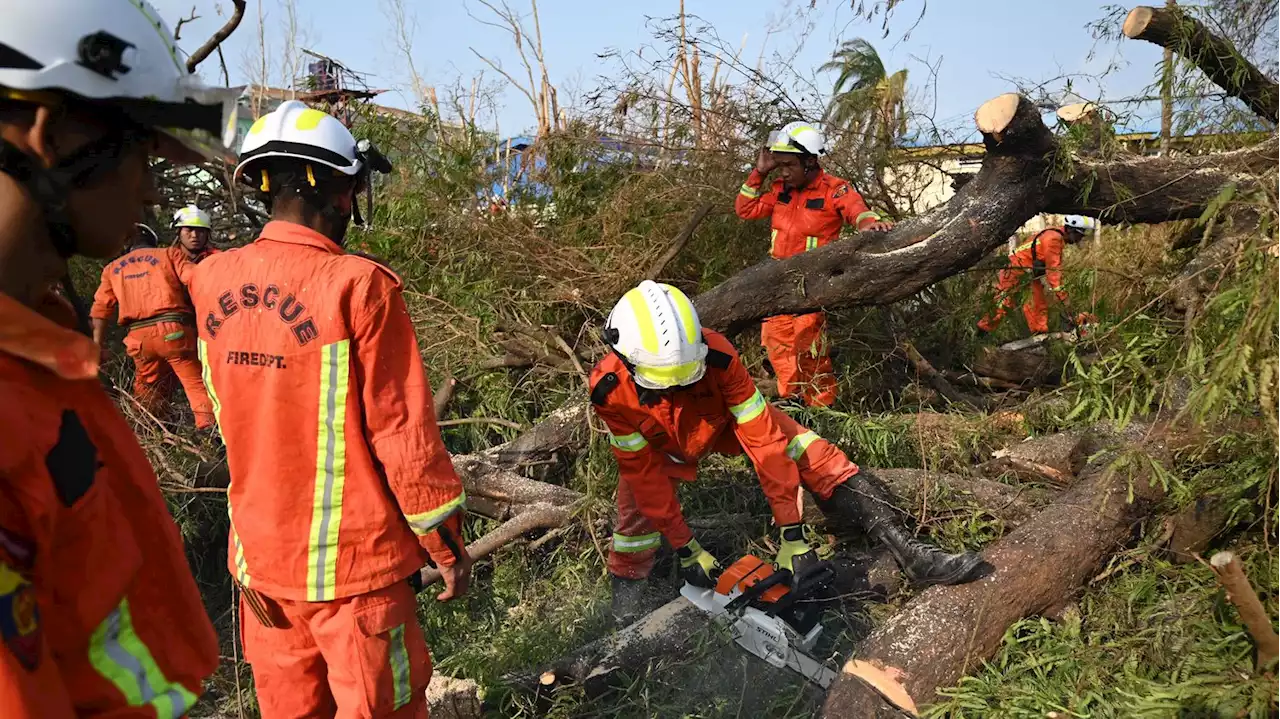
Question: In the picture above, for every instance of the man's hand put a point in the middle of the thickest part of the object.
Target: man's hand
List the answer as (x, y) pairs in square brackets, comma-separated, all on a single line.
[(697, 566), (765, 161), (878, 226), (456, 578), (795, 554)]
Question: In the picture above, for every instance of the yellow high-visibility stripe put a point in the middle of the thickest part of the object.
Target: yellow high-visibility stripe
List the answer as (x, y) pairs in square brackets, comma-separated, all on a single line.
[(626, 545), (749, 410), (799, 443), (633, 442), (425, 522), (331, 469), (748, 191), (644, 319), (685, 308), (773, 243), (122, 658), (242, 569), (206, 376), (399, 658), (810, 243), (864, 215)]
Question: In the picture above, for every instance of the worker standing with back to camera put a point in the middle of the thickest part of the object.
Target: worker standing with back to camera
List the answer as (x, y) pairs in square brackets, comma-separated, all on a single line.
[(341, 487), (144, 287), (807, 208), (99, 614)]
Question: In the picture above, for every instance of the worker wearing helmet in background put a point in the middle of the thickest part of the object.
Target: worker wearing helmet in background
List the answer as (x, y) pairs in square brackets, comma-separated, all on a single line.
[(340, 483), (672, 392), (99, 615), (807, 208), (144, 286), (195, 231), (1041, 256)]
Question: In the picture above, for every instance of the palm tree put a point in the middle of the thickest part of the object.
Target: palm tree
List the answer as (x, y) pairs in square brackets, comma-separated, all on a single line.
[(865, 100)]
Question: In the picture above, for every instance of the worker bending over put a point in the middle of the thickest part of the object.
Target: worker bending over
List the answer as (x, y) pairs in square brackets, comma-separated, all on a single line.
[(1041, 257), (156, 313), (671, 393), (195, 231), (807, 208), (99, 614), (340, 483)]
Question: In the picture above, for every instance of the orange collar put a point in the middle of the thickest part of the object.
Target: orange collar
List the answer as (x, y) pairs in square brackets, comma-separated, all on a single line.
[(28, 334), (294, 234)]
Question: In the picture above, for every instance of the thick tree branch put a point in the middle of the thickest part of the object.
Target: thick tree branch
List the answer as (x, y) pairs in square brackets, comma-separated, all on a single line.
[(222, 34), (1172, 28)]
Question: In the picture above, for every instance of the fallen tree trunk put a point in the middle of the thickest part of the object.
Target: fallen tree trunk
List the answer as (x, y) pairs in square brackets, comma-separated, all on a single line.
[(947, 631), (1171, 27)]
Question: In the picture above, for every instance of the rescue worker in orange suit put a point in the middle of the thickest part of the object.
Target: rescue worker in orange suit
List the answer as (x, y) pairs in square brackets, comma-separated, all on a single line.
[(195, 230), (156, 312), (807, 208), (99, 614), (1040, 261), (341, 487), (670, 393)]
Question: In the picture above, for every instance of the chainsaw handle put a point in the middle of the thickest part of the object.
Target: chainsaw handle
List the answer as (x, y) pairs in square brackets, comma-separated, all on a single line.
[(818, 575), (755, 591)]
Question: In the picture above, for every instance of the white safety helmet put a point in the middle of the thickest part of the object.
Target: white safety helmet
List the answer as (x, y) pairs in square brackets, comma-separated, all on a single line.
[(118, 53), (296, 131), (798, 137), (146, 231), (1080, 222), (655, 328), (192, 216)]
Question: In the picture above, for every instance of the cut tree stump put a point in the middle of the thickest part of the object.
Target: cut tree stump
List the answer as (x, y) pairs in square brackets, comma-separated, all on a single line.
[(1028, 366), (947, 631), (1231, 575), (1055, 458)]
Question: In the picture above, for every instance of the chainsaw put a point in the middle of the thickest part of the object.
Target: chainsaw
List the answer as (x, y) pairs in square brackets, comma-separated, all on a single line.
[(771, 616)]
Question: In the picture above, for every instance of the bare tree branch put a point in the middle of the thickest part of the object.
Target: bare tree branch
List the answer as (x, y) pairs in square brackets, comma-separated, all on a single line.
[(221, 35), (177, 29)]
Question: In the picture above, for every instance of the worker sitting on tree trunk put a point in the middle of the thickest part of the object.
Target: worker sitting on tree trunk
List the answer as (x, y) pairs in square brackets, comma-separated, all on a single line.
[(341, 487), (99, 614), (156, 313), (807, 208), (1041, 256), (671, 393)]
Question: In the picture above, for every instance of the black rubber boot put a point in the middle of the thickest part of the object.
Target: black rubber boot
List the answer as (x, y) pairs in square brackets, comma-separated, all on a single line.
[(631, 600), (864, 500)]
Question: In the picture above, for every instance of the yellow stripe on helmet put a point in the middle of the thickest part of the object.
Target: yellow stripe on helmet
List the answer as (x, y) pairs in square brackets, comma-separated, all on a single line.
[(684, 307), (644, 319), (674, 376)]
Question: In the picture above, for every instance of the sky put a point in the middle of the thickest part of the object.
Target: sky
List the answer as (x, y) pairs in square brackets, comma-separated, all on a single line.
[(976, 47)]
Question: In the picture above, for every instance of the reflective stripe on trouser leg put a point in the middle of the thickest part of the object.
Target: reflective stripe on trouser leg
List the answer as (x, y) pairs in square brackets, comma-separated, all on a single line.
[(402, 689), (120, 656), (822, 465), (626, 561), (331, 459)]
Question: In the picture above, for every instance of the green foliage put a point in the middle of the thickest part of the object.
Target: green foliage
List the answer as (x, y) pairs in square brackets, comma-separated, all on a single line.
[(1158, 640)]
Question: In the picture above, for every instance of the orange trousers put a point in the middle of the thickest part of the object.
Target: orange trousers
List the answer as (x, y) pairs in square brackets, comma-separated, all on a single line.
[(797, 348), (823, 467), (160, 351), (352, 658), (1036, 309)]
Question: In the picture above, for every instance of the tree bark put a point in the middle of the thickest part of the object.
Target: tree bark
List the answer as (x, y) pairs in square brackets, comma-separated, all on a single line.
[(678, 244), (947, 631), (1170, 27)]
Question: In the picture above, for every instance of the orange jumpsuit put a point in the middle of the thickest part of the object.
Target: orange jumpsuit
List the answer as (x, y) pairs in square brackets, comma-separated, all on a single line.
[(153, 305), (658, 440), (339, 477), (802, 220), (1047, 248), (184, 263), (99, 615)]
